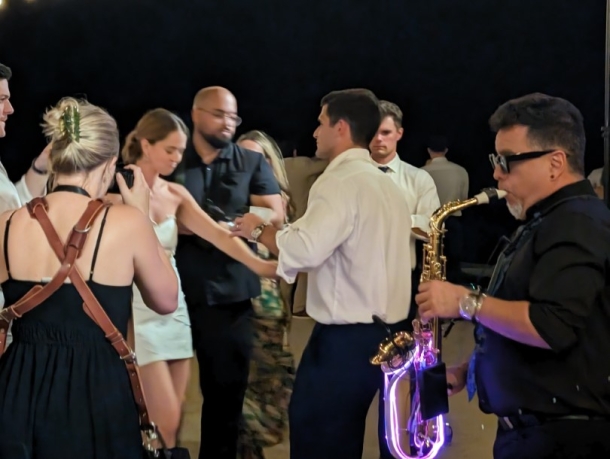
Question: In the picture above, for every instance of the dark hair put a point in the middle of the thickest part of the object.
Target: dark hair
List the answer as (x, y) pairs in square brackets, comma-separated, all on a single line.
[(154, 126), (5, 72), (552, 123), (391, 109), (437, 143), (359, 108)]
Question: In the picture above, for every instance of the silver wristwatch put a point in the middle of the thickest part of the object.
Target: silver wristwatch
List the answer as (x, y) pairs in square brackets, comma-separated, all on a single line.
[(256, 232), (470, 305)]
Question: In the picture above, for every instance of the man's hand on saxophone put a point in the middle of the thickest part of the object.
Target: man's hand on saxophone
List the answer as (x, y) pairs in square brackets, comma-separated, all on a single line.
[(440, 299)]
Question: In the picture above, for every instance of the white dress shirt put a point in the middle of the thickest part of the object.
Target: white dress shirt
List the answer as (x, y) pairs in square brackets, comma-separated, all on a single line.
[(352, 243), (419, 189), (450, 178), (12, 196)]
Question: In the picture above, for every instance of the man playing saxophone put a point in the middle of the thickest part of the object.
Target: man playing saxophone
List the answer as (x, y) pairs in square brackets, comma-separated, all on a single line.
[(542, 329)]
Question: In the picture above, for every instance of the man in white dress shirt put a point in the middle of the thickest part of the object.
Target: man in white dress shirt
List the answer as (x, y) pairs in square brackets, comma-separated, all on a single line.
[(33, 182), (352, 243), (417, 185)]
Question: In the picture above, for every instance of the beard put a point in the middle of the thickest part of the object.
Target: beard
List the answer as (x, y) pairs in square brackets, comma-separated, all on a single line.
[(215, 142), (516, 210)]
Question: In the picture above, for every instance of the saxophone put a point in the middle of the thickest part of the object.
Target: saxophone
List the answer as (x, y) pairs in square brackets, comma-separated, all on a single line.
[(415, 390)]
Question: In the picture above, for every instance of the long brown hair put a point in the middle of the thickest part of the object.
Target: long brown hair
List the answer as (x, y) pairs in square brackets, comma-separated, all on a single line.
[(154, 126)]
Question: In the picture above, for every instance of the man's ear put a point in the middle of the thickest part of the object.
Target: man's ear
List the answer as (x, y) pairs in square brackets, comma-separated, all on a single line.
[(400, 133)]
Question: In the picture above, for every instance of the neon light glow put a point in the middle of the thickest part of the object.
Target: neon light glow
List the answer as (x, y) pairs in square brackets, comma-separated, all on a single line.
[(394, 430)]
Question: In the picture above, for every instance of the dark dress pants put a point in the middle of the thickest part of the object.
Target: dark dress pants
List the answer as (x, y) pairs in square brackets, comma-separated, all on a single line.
[(334, 387), (222, 338)]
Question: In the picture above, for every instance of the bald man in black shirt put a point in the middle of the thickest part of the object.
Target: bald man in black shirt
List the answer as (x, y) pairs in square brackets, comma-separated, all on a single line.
[(542, 359)]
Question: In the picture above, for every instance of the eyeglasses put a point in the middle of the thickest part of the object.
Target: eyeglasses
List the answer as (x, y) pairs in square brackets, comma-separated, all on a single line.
[(221, 116), (503, 161)]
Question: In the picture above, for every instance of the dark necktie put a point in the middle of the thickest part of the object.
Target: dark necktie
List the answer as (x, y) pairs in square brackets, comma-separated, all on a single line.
[(384, 169)]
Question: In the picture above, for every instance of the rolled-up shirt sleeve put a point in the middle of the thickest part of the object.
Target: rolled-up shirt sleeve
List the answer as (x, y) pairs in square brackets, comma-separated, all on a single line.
[(327, 223), (13, 196), (23, 191), (568, 279), (427, 201)]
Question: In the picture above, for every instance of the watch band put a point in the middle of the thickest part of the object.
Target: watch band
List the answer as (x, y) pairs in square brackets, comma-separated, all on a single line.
[(470, 305), (256, 232)]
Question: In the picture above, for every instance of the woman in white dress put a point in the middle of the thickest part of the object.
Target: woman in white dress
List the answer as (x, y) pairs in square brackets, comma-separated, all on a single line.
[(163, 344)]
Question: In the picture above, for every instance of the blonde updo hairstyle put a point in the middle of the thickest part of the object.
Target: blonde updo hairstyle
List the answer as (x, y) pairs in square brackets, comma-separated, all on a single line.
[(83, 136), (153, 127)]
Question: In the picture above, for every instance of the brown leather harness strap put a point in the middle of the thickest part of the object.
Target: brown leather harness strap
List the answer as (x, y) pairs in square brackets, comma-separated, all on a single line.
[(91, 305), (67, 255), (39, 294)]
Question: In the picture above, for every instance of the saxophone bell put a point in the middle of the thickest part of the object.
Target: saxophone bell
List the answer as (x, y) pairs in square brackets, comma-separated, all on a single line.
[(395, 350)]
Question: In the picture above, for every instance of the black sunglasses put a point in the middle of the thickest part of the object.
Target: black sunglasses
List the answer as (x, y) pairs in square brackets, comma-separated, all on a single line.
[(503, 161)]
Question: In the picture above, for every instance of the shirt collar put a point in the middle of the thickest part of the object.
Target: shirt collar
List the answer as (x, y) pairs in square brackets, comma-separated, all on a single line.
[(574, 190), (353, 154), (439, 159), (393, 165), (193, 159)]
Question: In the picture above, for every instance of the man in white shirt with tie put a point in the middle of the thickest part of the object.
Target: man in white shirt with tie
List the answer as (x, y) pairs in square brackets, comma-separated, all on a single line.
[(33, 182), (353, 242), (417, 185)]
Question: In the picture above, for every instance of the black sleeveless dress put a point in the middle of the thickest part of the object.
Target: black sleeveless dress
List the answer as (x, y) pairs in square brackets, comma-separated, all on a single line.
[(64, 391)]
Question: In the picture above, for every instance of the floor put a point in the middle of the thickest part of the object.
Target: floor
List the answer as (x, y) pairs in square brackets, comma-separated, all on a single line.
[(473, 432)]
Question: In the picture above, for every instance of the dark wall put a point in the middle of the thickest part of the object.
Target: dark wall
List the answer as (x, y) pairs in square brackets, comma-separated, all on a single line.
[(447, 63)]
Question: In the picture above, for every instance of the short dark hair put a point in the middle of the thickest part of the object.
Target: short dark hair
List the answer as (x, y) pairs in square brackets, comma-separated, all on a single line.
[(391, 109), (359, 108), (5, 72), (552, 123), (438, 143)]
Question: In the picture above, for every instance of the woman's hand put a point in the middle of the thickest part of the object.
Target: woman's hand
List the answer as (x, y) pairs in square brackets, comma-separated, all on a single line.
[(139, 194)]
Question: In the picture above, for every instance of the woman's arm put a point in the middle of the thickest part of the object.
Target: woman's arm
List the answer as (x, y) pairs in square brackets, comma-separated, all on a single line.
[(191, 216), (154, 274)]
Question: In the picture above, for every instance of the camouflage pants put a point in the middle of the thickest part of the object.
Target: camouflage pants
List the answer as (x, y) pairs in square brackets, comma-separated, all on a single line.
[(272, 369)]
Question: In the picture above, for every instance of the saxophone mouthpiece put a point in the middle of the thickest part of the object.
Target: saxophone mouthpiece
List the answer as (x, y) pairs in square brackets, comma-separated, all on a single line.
[(488, 195)]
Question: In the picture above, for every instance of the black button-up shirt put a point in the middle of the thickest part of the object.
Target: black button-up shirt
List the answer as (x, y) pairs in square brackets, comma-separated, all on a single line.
[(208, 275), (558, 261)]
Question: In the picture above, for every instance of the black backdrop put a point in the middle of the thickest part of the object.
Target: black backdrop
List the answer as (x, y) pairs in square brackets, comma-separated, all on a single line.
[(447, 63)]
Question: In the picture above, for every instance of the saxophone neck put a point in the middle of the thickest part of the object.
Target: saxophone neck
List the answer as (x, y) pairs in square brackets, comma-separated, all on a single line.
[(486, 196)]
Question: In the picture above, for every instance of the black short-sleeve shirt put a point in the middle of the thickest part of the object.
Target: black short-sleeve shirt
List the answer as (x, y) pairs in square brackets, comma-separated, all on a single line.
[(209, 276), (558, 261)]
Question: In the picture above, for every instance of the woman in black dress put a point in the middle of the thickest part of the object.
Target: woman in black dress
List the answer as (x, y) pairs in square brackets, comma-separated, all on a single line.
[(64, 391)]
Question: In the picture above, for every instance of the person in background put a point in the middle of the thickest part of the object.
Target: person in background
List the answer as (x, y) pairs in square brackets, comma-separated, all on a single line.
[(272, 369), (451, 179), (163, 344), (595, 177), (302, 172), (225, 180), (416, 184), (451, 182), (33, 183)]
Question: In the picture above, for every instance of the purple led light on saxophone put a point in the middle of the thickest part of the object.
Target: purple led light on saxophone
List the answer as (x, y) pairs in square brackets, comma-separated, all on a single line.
[(393, 430)]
